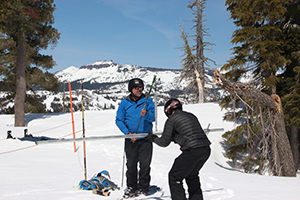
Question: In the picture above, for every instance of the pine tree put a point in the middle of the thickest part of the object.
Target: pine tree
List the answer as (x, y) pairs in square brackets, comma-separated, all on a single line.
[(289, 85), (259, 39), (259, 42), (27, 24)]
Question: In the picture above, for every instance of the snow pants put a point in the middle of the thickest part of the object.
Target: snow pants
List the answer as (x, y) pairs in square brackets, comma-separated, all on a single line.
[(187, 166), (140, 152)]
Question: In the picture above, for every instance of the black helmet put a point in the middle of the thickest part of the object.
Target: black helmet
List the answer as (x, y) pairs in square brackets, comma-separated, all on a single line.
[(172, 105), (135, 81)]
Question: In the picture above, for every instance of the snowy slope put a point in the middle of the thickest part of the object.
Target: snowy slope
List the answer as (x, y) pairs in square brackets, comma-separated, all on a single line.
[(52, 171)]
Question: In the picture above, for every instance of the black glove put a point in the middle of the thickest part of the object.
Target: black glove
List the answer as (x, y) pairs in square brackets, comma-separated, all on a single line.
[(150, 137)]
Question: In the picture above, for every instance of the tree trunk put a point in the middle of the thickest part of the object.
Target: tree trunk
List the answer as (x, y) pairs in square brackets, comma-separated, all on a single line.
[(199, 56), (281, 149), (295, 145), (19, 106), (199, 86), (286, 167)]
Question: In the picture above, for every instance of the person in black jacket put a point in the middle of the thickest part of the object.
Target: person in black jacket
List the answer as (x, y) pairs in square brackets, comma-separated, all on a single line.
[(184, 128)]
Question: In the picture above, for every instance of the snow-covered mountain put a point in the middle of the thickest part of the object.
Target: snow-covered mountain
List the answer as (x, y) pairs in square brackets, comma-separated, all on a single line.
[(110, 80), (110, 77), (105, 84)]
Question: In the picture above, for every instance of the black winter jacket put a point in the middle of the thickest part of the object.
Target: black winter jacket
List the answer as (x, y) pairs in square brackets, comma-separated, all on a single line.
[(183, 128)]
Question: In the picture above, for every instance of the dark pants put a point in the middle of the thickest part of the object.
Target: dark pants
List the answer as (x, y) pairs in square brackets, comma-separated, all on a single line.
[(139, 151), (187, 166)]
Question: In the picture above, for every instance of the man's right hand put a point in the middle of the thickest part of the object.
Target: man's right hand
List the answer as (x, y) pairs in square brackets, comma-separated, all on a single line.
[(150, 137), (133, 139)]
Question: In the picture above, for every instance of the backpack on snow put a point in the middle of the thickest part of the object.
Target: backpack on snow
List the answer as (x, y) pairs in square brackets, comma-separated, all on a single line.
[(100, 184), (88, 185), (94, 185), (104, 178)]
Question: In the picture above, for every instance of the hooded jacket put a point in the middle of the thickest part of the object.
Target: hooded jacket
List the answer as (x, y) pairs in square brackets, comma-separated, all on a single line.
[(129, 114), (183, 128)]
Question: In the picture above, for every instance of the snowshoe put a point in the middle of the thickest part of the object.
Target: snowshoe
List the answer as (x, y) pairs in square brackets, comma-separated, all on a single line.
[(129, 193), (140, 192)]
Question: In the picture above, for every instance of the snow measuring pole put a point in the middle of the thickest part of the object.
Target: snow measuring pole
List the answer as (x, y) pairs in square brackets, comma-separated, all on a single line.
[(83, 133), (109, 137), (73, 126)]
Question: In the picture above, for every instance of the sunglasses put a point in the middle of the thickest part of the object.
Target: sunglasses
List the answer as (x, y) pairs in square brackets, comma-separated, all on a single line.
[(138, 87)]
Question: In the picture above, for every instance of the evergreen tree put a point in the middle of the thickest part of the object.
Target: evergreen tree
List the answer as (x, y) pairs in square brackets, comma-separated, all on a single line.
[(259, 40), (26, 27), (259, 49), (289, 85)]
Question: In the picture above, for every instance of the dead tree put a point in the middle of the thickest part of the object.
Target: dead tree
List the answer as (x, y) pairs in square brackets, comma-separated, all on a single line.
[(281, 151)]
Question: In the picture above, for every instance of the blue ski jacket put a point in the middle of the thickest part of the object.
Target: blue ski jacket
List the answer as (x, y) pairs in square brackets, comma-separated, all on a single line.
[(129, 114)]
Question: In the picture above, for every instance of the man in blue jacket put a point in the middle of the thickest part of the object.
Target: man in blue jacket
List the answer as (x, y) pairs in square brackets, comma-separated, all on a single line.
[(130, 112)]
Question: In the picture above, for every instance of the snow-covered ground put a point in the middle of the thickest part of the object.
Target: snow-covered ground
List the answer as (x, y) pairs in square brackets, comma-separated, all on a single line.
[(52, 171)]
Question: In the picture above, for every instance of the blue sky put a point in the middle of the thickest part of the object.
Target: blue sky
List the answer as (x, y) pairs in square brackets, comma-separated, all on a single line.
[(136, 32)]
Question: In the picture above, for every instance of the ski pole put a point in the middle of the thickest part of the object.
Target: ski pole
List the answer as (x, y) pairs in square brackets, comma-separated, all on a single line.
[(123, 166), (148, 95)]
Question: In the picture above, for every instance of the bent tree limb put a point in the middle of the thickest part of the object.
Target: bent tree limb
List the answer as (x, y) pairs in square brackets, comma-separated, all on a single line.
[(281, 150)]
